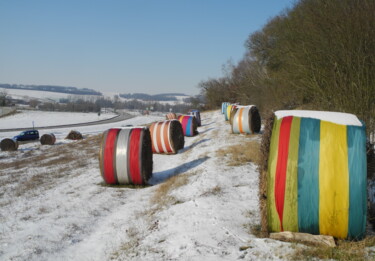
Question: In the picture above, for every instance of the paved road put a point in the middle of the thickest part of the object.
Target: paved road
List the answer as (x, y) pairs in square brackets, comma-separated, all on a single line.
[(121, 117)]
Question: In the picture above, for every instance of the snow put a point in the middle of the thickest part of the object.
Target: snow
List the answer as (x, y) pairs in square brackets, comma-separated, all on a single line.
[(334, 117), (25, 118), (71, 215)]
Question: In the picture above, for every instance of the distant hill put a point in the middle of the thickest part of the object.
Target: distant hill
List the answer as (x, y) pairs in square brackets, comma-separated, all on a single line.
[(51, 88), (156, 97)]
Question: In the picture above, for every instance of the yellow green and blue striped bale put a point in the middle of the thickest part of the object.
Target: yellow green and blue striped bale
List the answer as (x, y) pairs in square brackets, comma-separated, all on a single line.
[(317, 177)]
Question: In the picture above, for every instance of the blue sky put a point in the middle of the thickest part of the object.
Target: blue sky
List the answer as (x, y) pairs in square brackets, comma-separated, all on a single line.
[(153, 46)]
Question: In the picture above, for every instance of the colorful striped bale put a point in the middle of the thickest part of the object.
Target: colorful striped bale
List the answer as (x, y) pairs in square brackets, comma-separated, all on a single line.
[(224, 107), (167, 137), (316, 178), (228, 111), (125, 156), (246, 120), (197, 115), (189, 125), (171, 116)]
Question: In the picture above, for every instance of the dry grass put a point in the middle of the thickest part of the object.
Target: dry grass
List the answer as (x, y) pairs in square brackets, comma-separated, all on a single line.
[(161, 197), (213, 191), (345, 250), (247, 151)]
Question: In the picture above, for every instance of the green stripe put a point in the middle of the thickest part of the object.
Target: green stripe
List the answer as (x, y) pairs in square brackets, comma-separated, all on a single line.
[(357, 181), (308, 176), (272, 217), (290, 216)]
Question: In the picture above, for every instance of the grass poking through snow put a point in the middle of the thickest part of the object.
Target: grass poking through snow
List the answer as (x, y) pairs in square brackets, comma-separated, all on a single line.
[(240, 154)]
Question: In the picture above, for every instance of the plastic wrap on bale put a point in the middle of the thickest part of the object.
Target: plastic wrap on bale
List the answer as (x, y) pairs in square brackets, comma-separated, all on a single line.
[(315, 178), (197, 115), (125, 156), (167, 137), (189, 125), (224, 107), (171, 116), (246, 120)]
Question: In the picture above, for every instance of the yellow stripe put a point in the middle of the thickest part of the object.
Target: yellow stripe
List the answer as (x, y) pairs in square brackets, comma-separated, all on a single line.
[(229, 108), (272, 216), (333, 180), (290, 214)]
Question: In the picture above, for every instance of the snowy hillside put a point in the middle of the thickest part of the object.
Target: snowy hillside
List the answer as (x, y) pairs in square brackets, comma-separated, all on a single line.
[(45, 96), (202, 204)]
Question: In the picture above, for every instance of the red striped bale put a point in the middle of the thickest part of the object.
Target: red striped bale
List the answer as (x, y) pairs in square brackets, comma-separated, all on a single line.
[(125, 156), (167, 137), (171, 116)]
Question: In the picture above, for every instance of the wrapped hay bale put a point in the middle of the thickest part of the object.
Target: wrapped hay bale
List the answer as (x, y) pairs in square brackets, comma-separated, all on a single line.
[(48, 139), (224, 107), (8, 144), (167, 137), (227, 112), (189, 125), (197, 115), (171, 116), (125, 156), (74, 135), (315, 178), (232, 113), (246, 120)]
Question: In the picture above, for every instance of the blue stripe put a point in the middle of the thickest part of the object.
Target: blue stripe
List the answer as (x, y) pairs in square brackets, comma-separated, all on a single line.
[(357, 181), (308, 176), (188, 126)]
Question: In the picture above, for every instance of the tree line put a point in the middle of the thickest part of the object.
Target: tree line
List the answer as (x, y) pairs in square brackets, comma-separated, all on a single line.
[(81, 105), (316, 55)]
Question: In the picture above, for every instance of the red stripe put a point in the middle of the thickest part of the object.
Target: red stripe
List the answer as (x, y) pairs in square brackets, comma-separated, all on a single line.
[(184, 123), (152, 128), (134, 160), (109, 151), (282, 161)]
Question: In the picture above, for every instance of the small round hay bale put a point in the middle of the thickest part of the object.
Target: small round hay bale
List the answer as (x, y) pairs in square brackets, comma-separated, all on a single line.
[(189, 125), (171, 116), (125, 156), (197, 115), (9, 144), (74, 135), (48, 139), (246, 120), (167, 137)]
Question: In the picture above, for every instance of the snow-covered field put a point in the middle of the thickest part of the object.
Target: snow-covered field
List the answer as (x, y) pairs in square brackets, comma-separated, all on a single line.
[(25, 118), (55, 206)]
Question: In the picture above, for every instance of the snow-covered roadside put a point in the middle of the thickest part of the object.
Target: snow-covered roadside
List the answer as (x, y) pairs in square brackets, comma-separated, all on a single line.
[(74, 217)]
